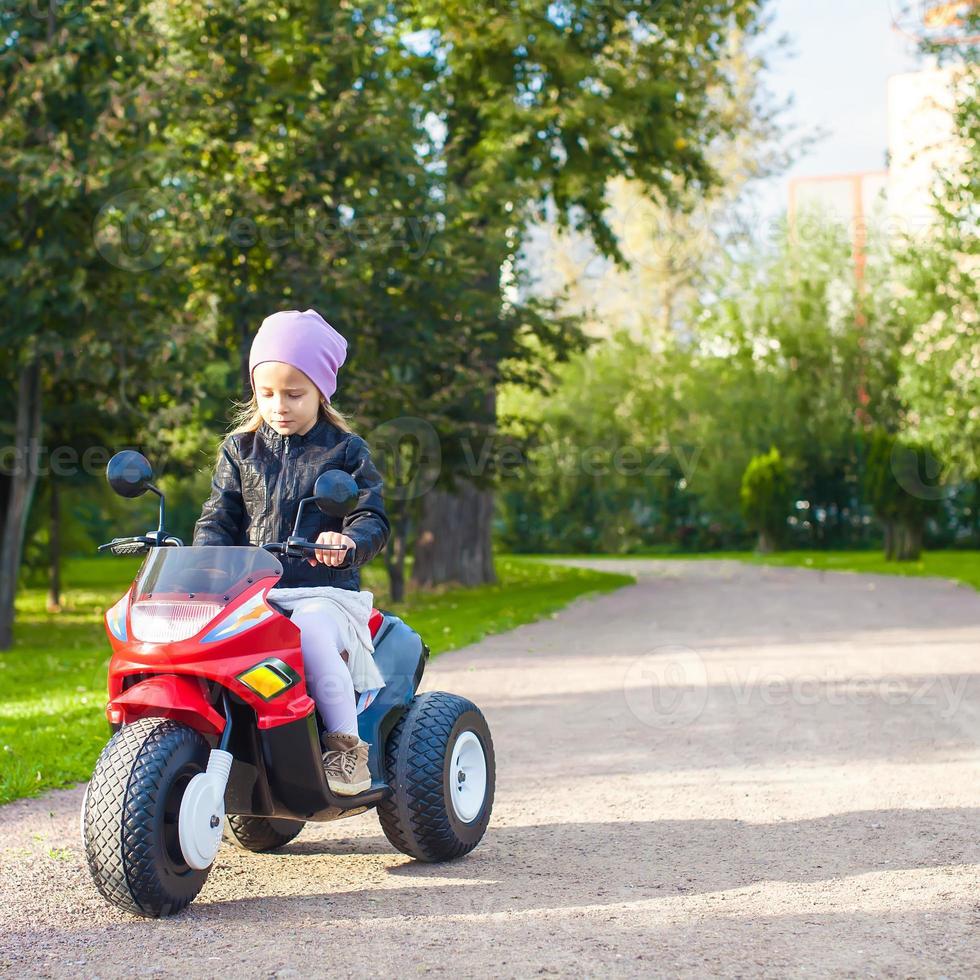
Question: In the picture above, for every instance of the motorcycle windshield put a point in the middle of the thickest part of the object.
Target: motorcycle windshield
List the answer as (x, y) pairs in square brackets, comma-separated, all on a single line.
[(211, 574)]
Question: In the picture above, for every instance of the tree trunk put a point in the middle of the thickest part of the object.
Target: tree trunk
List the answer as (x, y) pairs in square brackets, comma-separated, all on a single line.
[(764, 545), (395, 552), (889, 540), (454, 539), (975, 515), (244, 348), (27, 434), (396, 568), (903, 541), (909, 542), (54, 549)]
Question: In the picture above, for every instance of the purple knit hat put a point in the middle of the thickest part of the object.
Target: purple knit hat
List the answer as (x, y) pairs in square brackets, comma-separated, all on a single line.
[(304, 340)]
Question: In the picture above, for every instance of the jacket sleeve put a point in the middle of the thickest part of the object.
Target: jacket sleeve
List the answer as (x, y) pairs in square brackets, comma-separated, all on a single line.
[(367, 524), (222, 519)]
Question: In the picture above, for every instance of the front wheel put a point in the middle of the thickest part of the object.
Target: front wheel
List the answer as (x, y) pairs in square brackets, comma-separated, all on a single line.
[(440, 765), (130, 817)]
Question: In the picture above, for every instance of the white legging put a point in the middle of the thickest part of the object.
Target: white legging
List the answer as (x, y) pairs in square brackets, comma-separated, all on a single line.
[(328, 679)]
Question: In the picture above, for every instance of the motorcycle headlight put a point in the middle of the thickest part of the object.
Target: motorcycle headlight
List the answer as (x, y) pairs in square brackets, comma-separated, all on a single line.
[(168, 621)]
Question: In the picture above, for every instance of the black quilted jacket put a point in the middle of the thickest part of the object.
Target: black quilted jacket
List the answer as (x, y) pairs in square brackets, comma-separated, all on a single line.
[(259, 481)]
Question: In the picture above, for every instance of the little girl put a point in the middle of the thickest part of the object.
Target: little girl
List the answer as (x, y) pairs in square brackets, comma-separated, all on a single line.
[(285, 437)]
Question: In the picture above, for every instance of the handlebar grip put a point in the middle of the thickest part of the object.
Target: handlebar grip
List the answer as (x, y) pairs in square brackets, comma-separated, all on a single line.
[(310, 548), (129, 548), (348, 561), (124, 546), (113, 544)]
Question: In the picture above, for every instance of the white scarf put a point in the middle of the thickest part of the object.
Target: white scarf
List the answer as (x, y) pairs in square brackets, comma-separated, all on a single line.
[(352, 610)]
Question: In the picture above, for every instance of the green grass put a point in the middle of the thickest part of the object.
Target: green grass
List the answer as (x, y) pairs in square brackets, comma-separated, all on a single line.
[(960, 566), (53, 681)]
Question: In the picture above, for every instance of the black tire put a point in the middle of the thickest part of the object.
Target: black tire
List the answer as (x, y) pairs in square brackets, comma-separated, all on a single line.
[(419, 817), (129, 817), (260, 833)]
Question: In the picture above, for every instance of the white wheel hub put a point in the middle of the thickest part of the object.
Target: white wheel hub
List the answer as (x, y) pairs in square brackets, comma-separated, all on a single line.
[(467, 776), (202, 812)]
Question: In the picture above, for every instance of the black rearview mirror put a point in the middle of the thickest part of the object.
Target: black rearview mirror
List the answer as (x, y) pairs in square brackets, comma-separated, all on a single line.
[(335, 492), (129, 473)]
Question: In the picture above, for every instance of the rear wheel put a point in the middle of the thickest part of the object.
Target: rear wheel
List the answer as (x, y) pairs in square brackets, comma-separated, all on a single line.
[(439, 762), (260, 833), (130, 815)]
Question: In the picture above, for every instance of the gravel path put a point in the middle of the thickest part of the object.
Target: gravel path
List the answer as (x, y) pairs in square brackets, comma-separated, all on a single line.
[(724, 769)]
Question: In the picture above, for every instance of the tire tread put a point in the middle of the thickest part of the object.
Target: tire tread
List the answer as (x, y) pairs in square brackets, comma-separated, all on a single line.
[(414, 817), (119, 802)]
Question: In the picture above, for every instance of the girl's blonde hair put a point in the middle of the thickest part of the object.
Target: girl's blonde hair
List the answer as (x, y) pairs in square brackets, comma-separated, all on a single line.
[(248, 418)]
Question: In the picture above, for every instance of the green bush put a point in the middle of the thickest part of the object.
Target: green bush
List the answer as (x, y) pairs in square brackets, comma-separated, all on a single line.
[(765, 497)]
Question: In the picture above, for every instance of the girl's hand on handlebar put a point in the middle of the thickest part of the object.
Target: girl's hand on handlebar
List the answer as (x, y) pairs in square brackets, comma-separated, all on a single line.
[(332, 558)]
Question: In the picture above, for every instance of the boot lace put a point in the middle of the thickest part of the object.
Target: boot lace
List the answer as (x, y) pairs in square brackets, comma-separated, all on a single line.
[(341, 763)]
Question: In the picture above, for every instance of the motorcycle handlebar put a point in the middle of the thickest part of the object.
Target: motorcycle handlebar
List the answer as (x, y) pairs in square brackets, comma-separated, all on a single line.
[(292, 547), (281, 546), (126, 546), (139, 543)]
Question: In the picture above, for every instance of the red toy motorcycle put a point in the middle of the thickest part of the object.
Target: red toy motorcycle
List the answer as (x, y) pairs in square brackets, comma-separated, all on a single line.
[(215, 732)]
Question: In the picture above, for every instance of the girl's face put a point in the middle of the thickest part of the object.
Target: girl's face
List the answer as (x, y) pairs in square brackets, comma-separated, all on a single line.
[(288, 401)]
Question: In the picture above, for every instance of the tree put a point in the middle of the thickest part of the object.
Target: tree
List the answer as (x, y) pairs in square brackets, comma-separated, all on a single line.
[(546, 106), (71, 79), (302, 170), (936, 294), (590, 465), (673, 246), (896, 491), (769, 357), (780, 356), (292, 172), (765, 497)]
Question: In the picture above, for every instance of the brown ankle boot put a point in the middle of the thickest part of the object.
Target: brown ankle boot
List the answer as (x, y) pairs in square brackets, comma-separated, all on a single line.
[(346, 763)]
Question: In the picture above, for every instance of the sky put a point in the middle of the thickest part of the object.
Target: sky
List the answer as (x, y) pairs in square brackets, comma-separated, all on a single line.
[(836, 68)]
